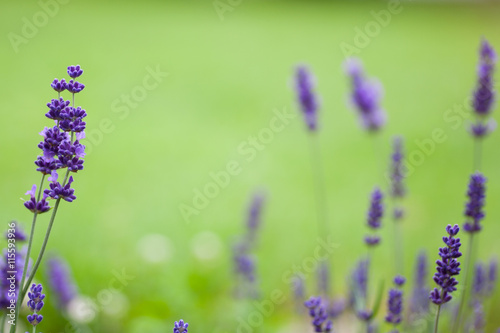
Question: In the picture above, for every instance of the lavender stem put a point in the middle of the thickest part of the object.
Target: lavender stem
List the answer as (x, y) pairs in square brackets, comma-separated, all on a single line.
[(463, 295), (436, 322), (478, 153)]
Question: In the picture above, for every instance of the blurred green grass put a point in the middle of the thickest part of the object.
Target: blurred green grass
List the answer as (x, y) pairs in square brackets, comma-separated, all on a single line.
[(225, 79)]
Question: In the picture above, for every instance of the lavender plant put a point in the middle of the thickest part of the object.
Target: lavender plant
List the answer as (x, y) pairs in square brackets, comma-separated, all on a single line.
[(474, 215), (397, 193), (419, 303), (61, 152), (447, 268), (365, 96), (243, 259), (319, 315), (483, 99), (374, 217), (35, 304), (395, 303), (61, 284), (308, 103), (181, 327)]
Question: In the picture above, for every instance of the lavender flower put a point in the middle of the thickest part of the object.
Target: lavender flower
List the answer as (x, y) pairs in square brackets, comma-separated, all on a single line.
[(492, 275), (58, 191), (479, 283), (397, 187), (255, 213), (420, 301), (74, 86), (374, 216), (60, 281), (395, 302), (484, 94), (358, 284), (181, 327), (447, 267), (35, 303), (304, 86), (365, 96), (34, 206), (319, 315), (58, 86), (75, 71), (7, 278), (474, 207)]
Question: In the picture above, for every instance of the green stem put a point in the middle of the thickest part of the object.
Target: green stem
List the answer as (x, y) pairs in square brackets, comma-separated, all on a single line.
[(398, 244), (436, 322), (2, 321), (468, 262), (477, 154)]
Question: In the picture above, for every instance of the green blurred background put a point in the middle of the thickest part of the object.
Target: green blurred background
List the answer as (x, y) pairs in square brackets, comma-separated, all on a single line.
[(226, 76)]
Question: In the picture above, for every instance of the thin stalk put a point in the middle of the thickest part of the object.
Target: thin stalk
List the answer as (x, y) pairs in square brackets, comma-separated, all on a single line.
[(2, 321), (457, 323), (478, 153), (320, 192), (398, 244), (436, 322)]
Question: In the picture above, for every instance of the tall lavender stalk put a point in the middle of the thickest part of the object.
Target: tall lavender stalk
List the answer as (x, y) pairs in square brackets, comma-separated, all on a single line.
[(308, 103), (483, 99), (244, 260), (397, 193), (474, 215), (447, 268), (61, 149)]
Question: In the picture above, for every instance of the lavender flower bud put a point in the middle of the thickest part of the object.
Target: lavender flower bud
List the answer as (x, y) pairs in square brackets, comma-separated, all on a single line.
[(58, 86), (74, 86), (474, 207), (447, 267), (304, 86), (60, 281), (75, 71), (365, 96), (484, 93), (34, 206), (397, 187), (374, 216), (420, 301), (181, 327), (319, 315)]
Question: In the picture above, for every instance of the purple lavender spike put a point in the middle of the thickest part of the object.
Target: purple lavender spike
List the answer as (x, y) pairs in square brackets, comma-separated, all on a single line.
[(374, 216), (365, 96), (304, 86), (319, 315), (474, 207), (419, 303), (60, 281)]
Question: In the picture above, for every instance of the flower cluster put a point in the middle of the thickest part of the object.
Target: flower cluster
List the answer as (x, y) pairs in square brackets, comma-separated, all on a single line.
[(61, 147), (397, 174), (319, 315), (60, 282), (447, 267), (484, 94), (374, 216), (395, 302), (304, 86), (419, 300), (474, 207), (35, 303), (365, 96), (181, 327)]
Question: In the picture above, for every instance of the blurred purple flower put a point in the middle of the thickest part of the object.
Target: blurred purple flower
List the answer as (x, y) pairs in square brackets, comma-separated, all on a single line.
[(474, 207), (304, 87), (60, 281), (365, 96)]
